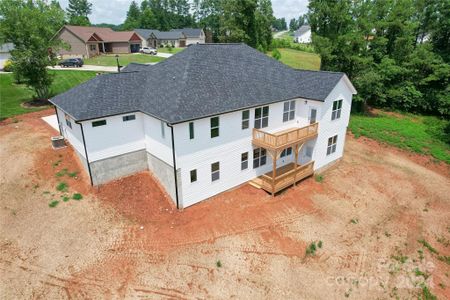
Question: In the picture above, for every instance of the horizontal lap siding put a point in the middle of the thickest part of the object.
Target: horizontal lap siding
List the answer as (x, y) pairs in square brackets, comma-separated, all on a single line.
[(77, 46)]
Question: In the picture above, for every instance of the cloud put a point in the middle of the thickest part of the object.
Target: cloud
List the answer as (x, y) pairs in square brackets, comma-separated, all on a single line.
[(114, 11)]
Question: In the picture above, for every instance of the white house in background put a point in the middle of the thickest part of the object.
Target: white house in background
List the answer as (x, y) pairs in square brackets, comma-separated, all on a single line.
[(303, 35), (244, 117), (5, 50), (193, 35)]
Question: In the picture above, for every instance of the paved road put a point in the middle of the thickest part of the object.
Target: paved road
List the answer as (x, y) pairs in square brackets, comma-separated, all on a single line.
[(279, 34)]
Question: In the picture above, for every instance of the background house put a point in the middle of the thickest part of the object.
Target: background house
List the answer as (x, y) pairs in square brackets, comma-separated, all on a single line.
[(88, 41), (193, 35), (303, 35), (5, 50), (155, 38)]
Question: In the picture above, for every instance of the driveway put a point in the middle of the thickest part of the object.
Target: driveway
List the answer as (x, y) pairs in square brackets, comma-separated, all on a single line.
[(165, 55), (279, 34), (91, 68)]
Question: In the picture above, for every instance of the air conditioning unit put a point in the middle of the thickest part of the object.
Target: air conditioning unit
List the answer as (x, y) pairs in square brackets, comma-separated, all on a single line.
[(58, 142)]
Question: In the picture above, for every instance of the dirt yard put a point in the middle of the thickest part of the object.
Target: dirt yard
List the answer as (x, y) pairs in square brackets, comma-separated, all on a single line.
[(379, 220)]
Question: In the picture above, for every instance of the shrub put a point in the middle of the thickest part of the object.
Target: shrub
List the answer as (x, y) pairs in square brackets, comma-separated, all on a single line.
[(77, 196), (8, 66), (276, 54)]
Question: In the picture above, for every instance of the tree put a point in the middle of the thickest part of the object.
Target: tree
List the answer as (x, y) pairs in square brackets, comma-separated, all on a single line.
[(264, 19), (78, 12), (30, 26), (133, 17), (293, 25), (279, 24), (239, 22)]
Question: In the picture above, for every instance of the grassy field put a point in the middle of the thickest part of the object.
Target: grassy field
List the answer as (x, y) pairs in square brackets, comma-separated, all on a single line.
[(124, 59), (420, 134), (174, 50), (299, 59), (12, 95)]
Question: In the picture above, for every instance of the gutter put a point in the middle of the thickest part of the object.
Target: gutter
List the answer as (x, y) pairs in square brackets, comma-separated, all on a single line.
[(174, 165), (86, 153)]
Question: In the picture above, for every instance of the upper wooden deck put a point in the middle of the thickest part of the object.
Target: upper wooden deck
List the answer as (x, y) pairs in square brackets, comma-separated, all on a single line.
[(285, 138)]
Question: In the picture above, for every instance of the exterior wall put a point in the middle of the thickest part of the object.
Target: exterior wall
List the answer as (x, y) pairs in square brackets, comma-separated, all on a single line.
[(77, 46), (193, 41), (175, 42), (304, 38), (120, 47), (93, 52), (163, 173), (118, 166)]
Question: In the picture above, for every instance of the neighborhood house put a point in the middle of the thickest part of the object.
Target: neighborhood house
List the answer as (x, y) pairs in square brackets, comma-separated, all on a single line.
[(303, 35), (243, 117), (175, 38), (88, 41)]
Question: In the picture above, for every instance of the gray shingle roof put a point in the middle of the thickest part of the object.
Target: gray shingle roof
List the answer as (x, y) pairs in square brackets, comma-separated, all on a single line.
[(190, 32), (302, 30), (161, 35), (203, 80)]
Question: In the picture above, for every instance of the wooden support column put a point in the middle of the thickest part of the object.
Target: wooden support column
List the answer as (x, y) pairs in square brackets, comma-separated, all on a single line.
[(295, 164), (274, 170)]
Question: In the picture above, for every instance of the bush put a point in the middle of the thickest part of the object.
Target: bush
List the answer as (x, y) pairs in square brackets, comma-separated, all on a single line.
[(276, 54), (8, 67)]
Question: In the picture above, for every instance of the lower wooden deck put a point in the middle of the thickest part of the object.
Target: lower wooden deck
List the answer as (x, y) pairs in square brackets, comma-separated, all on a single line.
[(286, 176)]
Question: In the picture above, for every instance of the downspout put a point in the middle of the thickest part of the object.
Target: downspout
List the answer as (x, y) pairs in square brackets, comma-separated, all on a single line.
[(174, 165), (57, 118), (86, 153)]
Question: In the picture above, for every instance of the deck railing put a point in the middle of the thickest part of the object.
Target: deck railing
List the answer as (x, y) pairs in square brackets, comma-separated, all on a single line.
[(286, 137), (286, 179)]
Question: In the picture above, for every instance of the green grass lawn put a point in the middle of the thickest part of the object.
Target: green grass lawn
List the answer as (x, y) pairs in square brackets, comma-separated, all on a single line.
[(299, 59), (174, 50), (420, 134), (124, 59), (12, 95)]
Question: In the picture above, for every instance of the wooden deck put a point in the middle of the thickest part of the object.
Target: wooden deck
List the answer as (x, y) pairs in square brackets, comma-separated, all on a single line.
[(285, 138), (286, 176)]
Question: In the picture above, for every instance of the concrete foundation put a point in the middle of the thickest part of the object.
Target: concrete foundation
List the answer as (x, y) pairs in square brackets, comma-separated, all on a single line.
[(164, 173), (118, 166)]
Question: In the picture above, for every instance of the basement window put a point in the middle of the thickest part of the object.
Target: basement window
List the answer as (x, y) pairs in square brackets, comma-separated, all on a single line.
[(259, 157), (331, 148), (244, 161), (286, 152), (193, 175), (129, 118), (245, 119), (98, 123), (336, 113), (214, 127), (215, 171)]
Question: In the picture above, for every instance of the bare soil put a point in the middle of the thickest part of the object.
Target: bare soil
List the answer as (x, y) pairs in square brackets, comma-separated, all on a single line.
[(127, 240)]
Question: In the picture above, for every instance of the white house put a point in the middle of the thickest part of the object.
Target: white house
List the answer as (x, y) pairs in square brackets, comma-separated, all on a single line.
[(303, 35), (5, 50), (193, 35), (208, 119)]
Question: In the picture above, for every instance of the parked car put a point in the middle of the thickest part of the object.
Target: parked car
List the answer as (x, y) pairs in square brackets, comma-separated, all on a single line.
[(148, 50), (72, 62)]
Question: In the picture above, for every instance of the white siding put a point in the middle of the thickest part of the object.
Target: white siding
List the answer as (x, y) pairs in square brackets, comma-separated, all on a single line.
[(73, 135), (115, 138), (154, 142)]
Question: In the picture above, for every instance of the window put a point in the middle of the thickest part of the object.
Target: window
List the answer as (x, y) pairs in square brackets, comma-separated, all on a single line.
[(214, 127), (332, 144), (93, 47), (244, 160), (337, 106), (163, 130), (191, 130), (245, 119), (215, 171), (98, 123), (68, 123), (286, 152), (259, 157), (289, 111), (193, 175), (129, 118), (261, 117), (309, 151)]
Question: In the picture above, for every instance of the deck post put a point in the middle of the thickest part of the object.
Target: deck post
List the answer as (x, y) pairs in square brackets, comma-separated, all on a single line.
[(295, 164), (274, 170)]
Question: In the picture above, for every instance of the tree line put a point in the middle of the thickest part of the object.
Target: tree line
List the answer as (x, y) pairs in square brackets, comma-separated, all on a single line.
[(396, 52)]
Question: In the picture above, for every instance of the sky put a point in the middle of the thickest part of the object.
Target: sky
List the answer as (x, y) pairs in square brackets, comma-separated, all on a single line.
[(114, 11)]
